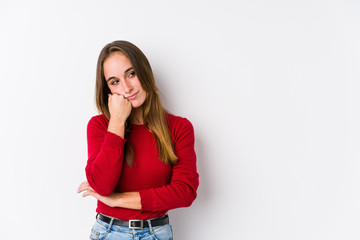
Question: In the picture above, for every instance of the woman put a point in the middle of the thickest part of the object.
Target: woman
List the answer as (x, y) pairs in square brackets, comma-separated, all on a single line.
[(141, 161)]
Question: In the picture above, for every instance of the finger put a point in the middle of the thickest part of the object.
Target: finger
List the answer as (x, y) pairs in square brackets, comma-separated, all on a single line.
[(89, 190), (119, 95), (87, 193), (91, 193), (88, 187), (83, 186), (80, 187)]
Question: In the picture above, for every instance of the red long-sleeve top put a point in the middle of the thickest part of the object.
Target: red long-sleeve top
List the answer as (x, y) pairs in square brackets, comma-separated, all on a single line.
[(162, 187)]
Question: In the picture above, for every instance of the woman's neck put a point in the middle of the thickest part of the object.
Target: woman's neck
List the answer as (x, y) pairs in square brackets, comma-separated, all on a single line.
[(136, 116)]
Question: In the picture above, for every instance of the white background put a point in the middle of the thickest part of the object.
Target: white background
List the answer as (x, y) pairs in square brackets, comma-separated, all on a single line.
[(271, 87)]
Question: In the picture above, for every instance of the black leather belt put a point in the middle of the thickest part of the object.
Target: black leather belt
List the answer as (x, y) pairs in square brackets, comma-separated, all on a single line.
[(136, 224)]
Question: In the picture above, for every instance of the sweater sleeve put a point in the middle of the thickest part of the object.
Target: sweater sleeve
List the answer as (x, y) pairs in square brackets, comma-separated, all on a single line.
[(181, 191), (105, 157)]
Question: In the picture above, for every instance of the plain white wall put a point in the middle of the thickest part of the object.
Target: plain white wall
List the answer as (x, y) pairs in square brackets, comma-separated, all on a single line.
[(271, 87)]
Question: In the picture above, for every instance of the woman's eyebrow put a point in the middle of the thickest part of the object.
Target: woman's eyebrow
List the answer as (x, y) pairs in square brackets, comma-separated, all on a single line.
[(128, 69), (124, 73), (110, 78)]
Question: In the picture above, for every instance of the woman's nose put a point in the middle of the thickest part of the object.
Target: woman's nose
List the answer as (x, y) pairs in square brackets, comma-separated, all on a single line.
[(126, 87)]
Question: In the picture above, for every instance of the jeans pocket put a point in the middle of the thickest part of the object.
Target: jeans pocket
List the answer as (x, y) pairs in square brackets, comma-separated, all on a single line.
[(99, 231), (163, 232)]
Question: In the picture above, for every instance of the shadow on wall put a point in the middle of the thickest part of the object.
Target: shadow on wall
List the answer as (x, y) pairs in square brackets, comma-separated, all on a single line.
[(185, 220)]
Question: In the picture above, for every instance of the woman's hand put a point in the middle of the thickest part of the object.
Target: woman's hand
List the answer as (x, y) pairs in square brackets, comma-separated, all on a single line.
[(119, 107), (89, 191), (129, 200)]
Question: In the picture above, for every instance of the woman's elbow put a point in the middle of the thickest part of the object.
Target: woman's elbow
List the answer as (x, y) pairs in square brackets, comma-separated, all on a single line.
[(191, 198), (103, 189), (188, 197)]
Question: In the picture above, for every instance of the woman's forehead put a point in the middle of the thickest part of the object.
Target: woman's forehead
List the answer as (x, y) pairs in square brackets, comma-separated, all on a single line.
[(117, 63)]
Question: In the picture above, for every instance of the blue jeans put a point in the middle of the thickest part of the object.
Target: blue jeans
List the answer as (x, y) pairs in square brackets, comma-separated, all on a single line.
[(108, 231)]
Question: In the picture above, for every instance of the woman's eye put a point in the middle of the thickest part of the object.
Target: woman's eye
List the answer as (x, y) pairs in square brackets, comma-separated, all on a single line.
[(132, 74), (114, 82)]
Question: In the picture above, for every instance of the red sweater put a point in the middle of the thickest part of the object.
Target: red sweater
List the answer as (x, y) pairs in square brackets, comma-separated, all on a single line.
[(162, 187)]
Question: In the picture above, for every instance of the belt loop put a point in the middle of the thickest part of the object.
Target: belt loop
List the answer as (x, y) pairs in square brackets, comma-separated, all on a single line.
[(151, 229), (111, 223), (150, 226)]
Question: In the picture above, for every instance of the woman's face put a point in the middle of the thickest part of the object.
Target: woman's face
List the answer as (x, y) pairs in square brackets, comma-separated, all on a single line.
[(122, 79)]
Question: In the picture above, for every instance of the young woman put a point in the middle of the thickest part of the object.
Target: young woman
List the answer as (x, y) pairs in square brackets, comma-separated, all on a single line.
[(141, 159)]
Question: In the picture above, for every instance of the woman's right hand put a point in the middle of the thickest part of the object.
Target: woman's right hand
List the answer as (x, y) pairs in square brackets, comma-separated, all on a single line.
[(119, 108)]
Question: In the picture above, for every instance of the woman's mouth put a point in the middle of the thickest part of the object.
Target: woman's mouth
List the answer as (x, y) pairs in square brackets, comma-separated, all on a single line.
[(131, 97)]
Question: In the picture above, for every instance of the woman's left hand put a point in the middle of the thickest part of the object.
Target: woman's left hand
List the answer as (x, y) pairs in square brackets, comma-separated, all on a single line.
[(110, 200)]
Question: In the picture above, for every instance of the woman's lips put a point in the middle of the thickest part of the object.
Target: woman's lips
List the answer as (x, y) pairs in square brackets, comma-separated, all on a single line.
[(131, 97)]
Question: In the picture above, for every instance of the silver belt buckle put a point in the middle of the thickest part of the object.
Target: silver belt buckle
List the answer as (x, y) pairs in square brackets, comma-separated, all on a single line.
[(141, 225)]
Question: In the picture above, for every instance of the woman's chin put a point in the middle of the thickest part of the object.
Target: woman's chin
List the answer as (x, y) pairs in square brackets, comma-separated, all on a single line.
[(135, 105)]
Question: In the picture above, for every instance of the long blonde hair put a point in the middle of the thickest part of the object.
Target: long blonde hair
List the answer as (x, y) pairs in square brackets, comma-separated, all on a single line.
[(154, 114)]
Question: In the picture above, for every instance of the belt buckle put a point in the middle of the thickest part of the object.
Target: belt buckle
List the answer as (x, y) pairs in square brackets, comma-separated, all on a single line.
[(134, 221)]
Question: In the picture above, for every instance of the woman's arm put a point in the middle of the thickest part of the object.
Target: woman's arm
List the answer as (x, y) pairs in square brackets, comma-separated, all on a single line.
[(105, 156), (106, 146), (182, 189), (129, 200)]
